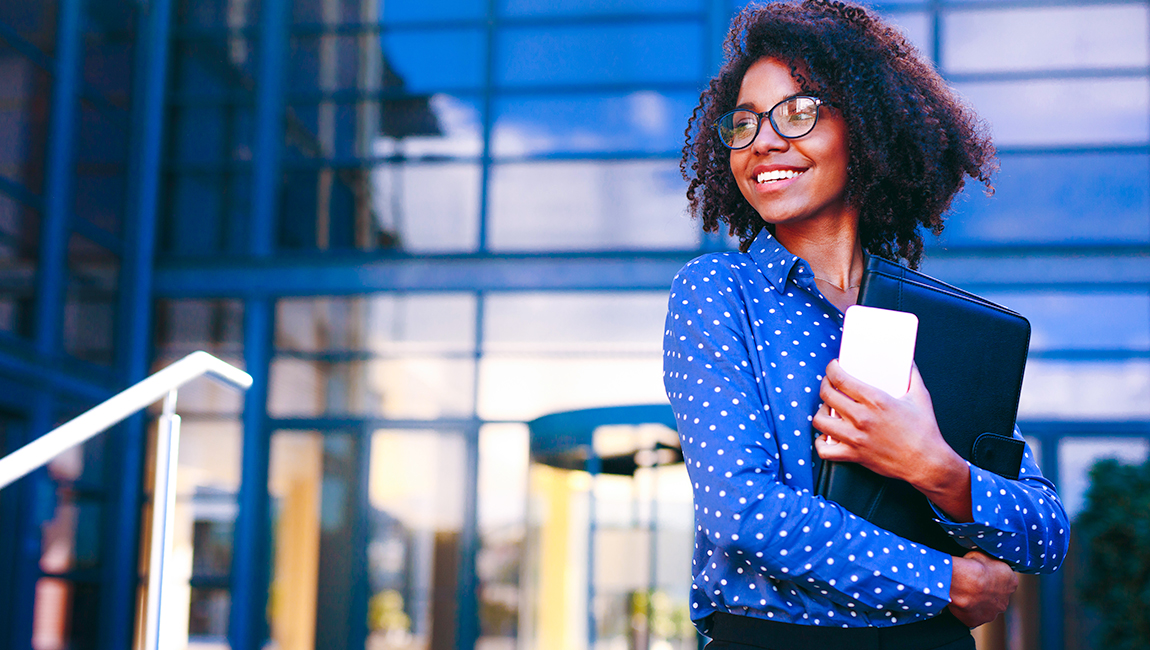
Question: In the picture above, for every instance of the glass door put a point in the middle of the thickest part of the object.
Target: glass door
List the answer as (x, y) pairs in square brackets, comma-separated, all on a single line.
[(366, 538)]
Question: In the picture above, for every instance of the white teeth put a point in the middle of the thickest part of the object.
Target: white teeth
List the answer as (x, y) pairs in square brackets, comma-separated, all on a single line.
[(777, 175)]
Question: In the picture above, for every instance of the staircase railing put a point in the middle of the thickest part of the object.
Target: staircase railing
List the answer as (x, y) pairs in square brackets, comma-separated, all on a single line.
[(162, 384)]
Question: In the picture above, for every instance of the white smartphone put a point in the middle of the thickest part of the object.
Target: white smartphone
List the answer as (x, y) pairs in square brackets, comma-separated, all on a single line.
[(878, 347)]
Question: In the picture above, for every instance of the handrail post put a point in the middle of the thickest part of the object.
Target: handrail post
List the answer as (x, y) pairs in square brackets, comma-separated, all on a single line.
[(163, 517)]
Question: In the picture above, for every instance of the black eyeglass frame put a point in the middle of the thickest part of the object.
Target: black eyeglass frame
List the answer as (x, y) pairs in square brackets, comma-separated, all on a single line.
[(770, 115)]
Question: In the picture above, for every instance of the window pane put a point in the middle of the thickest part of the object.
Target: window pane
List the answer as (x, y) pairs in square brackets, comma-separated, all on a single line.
[(604, 54), (643, 121), (422, 387), (431, 126), (24, 88), (421, 61), (918, 27), (595, 7), (19, 232), (383, 324), (66, 614), (32, 21), (331, 62), (207, 485), (502, 504), (335, 12), (217, 13), (215, 326), (328, 209), (1083, 321), (572, 323), (1063, 112), (1053, 390), (1063, 198), (416, 490), (452, 10), (1077, 455), (1055, 38), (89, 312), (295, 484), (427, 207), (590, 205)]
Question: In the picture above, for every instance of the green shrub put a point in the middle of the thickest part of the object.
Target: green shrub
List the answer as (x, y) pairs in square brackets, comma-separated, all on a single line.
[(1114, 527)]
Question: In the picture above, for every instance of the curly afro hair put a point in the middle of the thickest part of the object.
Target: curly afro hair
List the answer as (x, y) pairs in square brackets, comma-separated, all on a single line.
[(912, 141)]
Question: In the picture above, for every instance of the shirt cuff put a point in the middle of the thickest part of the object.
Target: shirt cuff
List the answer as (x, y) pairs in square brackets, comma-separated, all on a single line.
[(984, 506)]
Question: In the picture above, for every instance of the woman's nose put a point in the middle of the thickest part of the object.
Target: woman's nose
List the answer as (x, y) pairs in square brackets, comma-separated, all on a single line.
[(768, 140)]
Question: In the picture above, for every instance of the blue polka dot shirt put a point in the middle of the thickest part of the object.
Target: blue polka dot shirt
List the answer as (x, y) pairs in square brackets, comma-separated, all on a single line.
[(747, 340)]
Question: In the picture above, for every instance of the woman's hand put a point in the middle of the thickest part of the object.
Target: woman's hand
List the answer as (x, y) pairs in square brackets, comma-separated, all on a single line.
[(980, 588), (895, 437)]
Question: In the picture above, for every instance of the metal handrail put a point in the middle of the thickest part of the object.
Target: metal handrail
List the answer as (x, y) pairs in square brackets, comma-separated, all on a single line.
[(163, 384), (39, 452)]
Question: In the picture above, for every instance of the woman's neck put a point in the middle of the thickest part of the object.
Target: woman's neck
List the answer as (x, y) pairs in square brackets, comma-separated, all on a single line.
[(834, 254)]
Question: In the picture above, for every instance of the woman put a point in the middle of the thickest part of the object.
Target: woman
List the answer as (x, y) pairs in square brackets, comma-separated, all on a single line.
[(825, 138)]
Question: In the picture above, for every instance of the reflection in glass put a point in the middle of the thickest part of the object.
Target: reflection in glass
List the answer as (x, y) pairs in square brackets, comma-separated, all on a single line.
[(419, 387), (595, 7), (641, 121), (89, 323), (917, 27), (433, 60), (619, 543), (295, 477), (502, 504), (416, 495), (1057, 38), (1063, 112), (1077, 455), (1085, 390), (556, 352), (399, 356), (1065, 320), (428, 207), (207, 482), (637, 53), (590, 205), (215, 326), (620, 322), (382, 323), (398, 12), (1054, 199), (19, 227)]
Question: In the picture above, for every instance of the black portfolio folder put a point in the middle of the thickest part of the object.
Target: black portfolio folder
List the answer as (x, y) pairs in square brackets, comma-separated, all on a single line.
[(972, 354)]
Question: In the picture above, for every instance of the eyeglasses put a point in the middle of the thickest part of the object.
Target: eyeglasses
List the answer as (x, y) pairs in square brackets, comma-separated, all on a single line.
[(791, 118)]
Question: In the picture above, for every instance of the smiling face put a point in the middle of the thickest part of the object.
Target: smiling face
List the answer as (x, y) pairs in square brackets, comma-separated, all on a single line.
[(797, 182)]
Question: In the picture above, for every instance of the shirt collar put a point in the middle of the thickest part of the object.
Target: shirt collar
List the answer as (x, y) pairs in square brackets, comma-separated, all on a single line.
[(775, 262)]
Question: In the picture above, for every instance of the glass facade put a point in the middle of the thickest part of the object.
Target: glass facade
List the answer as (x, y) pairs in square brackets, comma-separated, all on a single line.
[(440, 237)]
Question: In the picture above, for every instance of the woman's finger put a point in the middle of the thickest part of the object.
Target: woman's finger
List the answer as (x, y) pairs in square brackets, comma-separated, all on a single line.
[(833, 425), (856, 389)]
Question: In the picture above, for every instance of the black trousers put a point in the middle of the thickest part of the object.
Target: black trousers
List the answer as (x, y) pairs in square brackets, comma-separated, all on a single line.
[(733, 632)]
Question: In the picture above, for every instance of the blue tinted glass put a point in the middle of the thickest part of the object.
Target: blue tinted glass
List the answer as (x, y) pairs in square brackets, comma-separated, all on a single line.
[(1079, 198), (432, 60), (1102, 37), (670, 52), (640, 121), (438, 10), (1083, 321), (594, 7), (1046, 112)]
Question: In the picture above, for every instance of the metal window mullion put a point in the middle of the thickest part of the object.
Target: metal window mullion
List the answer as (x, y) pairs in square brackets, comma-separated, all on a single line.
[(133, 335), (51, 280), (467, 632), (248, 619), (488, 125), (249, 586)]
